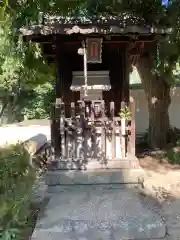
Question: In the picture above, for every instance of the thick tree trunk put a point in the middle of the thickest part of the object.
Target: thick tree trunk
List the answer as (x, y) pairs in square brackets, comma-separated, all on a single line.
[(2, 109), (157, 92)]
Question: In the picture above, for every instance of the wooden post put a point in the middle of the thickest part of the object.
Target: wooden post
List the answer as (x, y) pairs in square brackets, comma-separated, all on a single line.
[(62, 130), (54, 127), (123, 134), (133, 130), (113, 144), (116, 80), (56, 136), (55, 132), (63, 74), (126, 71), (60, 68)]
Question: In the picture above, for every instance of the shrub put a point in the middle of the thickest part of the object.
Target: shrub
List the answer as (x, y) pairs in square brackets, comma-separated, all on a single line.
[(173, 155), (16, 180)]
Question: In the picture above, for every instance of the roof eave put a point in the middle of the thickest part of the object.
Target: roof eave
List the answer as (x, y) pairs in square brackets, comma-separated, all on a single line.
[(90, 29)]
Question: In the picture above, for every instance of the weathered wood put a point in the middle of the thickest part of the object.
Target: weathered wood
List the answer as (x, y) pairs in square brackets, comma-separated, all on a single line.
[(132, 127), (88, 136), (113, 145), (124, 24), (55, 135), (125, 73), (116, 79), (60, 68), (63, 73)]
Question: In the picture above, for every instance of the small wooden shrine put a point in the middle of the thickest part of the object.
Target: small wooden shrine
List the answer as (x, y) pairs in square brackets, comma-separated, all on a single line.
[(93, 114)]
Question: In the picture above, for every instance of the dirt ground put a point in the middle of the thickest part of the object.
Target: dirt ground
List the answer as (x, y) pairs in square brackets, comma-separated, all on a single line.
[(157, 164), (162, 188)]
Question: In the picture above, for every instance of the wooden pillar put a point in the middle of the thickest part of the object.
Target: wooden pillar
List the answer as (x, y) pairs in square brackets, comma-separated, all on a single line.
[(55, 133), (125, 75), (61, 88), (63, 75), (60, 68), (133, 130), (116, 79)]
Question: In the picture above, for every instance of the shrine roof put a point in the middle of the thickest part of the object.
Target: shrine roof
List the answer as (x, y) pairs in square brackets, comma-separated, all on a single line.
[(122, 24)]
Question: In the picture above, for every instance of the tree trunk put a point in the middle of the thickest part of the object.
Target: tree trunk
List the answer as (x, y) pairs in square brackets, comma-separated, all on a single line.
[(2, 109), (157, 92)]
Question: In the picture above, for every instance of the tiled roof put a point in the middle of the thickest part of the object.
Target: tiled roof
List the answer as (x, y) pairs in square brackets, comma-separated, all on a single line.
[(104, 24)]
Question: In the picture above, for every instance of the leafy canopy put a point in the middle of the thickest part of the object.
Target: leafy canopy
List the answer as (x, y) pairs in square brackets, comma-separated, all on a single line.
[(22, 68)]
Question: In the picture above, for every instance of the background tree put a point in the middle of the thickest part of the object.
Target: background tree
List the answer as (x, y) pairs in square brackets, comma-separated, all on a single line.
[(22, 72)]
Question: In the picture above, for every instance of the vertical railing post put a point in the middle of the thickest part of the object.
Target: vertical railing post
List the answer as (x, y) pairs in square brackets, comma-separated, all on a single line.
[(54, 131), (79, 130), (62, 129), (113, 144), (103, 133), (70, 138), (133, 130), (60, 113), (72, 110), (123, 133)]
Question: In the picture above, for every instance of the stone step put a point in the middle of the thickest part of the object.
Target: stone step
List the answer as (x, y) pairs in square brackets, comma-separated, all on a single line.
[(109, 176), (98, 213), (52, 190), (92, 164)]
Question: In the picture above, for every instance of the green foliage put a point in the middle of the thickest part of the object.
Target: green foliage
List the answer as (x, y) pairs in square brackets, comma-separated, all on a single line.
[(125, 113), (3, 8), (37, 104), (173, 156), (22, 69), (16, 180)]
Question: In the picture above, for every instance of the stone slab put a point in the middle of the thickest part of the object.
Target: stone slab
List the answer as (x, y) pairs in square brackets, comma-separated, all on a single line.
[(91, 164), (98, 212), (35, 143), (109, 176)]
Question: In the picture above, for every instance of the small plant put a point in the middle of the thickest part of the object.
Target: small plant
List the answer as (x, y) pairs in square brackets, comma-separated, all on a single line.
[(17, 177), (173, 156), (125, 113)]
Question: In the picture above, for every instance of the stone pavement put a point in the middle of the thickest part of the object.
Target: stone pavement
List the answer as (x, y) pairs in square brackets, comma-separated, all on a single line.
[(97, 212)]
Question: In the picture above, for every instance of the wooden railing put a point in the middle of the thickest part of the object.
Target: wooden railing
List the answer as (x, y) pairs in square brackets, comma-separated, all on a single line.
[(86, 131)]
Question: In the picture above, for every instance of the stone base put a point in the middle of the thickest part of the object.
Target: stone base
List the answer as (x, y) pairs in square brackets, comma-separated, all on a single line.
[(113, 172), (98, 212), (111, 176), (93, 164)]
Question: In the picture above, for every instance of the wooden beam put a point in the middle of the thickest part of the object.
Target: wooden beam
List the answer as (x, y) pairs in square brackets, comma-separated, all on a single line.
[(116, 42), (104, 42), (111, 42)]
